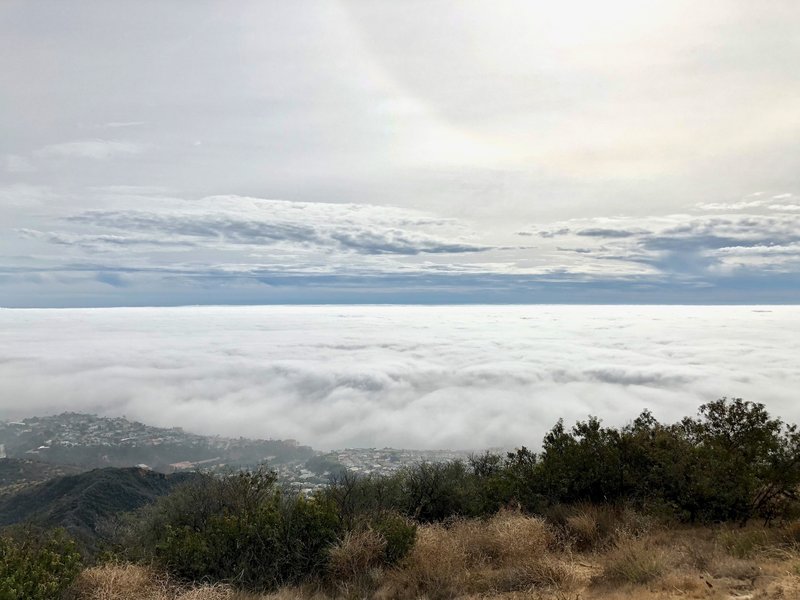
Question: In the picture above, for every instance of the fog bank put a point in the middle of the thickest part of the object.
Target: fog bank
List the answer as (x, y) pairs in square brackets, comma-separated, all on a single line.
[(404, 376)]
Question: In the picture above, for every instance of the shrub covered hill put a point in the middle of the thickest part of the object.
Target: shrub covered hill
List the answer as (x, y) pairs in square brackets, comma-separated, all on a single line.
[(83, 503), (89, 441), (17, 473)]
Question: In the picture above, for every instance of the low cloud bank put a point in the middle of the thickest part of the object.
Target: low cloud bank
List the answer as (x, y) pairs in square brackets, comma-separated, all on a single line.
[(424, 377)]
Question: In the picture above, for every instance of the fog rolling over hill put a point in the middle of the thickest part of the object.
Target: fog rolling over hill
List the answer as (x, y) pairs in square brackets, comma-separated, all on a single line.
[(400, 376)]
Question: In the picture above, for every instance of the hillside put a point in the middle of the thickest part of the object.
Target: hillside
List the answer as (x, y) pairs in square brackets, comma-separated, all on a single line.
[(82, 502), (16, 473)]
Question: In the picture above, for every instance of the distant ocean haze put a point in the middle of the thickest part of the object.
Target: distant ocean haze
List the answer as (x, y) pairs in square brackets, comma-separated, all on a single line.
[(462, 377)]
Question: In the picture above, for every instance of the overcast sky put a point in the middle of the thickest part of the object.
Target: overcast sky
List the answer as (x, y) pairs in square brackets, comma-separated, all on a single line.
[(157, 152)]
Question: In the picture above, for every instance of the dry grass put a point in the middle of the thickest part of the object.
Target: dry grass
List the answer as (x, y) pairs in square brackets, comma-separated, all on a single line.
[(745, 543), (508, 552), (134, 582), (356, 554), (593, 527), (513, 556), (121, 582), (636, 561)]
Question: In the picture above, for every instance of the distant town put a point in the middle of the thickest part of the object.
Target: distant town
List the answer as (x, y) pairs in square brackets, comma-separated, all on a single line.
[(86, 441)]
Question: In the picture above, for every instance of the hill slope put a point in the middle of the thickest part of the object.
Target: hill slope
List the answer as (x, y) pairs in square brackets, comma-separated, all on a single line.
[(82, 502), (17, 473)]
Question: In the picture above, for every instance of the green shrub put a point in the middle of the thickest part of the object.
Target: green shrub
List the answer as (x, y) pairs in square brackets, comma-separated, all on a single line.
[(37, 566), (399, 533), (239, 528), (731, 463)]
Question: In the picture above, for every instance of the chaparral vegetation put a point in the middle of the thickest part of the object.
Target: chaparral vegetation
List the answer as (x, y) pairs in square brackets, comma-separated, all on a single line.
[(707, 507)]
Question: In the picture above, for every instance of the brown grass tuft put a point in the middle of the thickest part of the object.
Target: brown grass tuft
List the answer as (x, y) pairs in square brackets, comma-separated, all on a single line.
[(635, 561), (356, 554), (121, 582), (508, 552), (790, 534), (596, 527), (743, 543), (135, 582)]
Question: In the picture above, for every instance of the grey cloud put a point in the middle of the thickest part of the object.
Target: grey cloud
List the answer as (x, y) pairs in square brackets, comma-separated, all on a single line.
[(460, 138), (112, 279), (107, 241), (400, 242), (608, 233), (554, 233), (210, 229), (578, 250), (693, 245), (642, 377)]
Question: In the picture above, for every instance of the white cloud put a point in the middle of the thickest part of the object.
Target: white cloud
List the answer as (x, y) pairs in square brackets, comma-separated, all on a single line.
[(123, 124), (96, 149), (14, 163), (730, 205), (463, 377)]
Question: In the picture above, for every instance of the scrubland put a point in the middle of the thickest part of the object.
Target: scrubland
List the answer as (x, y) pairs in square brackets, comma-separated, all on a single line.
[(708, 507), (586, 552)]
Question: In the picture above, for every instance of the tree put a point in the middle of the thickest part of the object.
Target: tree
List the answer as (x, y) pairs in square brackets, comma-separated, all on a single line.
[(240, 528), (746, 459)]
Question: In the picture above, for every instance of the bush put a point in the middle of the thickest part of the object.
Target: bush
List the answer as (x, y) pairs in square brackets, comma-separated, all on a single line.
[(357, 558), (37, 565), (239, 528), (399, 534), (733, 462)]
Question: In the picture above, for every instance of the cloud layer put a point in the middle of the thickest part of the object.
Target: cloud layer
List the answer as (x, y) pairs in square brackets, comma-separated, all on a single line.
[(349, 152), (139, 245), (459, 377)]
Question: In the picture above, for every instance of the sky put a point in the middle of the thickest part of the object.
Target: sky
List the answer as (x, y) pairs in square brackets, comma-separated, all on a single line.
[(467, 377), (343, 151)]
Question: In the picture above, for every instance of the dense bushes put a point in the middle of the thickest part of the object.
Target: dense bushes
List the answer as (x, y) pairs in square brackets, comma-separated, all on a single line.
[(36, 565), (731, 463), (240, 528)]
